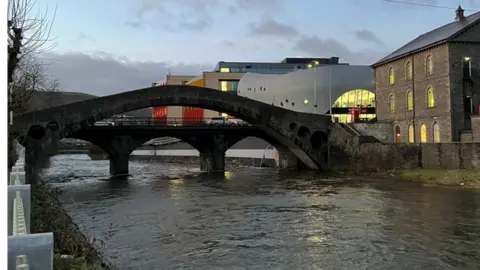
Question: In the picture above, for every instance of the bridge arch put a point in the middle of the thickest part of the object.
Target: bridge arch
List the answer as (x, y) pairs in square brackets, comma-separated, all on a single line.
[(275, 121), (211, 143)]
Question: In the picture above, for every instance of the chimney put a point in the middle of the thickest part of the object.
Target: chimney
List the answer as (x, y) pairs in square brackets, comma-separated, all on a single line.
[(459, 14)]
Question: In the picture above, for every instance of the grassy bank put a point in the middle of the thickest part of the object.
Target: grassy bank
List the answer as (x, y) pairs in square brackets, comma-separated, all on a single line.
[(466, 178), (48, 215)]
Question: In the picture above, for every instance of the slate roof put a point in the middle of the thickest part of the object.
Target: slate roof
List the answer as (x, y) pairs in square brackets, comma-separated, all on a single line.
[(437, 36)]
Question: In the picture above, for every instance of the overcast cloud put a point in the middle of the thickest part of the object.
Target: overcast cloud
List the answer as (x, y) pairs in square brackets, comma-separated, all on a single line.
[(103, 74)]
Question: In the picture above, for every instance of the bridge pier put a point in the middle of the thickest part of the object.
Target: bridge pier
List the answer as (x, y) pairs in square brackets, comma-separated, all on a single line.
[(287, 160), (212, 152), (119, 164), (212, 161)]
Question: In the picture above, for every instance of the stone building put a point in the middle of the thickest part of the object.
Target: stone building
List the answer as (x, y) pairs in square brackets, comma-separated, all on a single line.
[(430, 87)]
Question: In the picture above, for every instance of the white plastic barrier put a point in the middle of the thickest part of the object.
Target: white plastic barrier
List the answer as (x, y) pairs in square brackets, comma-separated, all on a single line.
[(25, 250)]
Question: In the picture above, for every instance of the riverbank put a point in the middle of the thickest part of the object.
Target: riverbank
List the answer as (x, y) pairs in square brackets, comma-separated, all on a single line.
[(441, 177), (48, 215)]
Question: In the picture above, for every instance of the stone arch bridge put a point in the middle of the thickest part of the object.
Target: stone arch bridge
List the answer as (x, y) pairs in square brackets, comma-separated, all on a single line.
[(210, 141), (305, 135)]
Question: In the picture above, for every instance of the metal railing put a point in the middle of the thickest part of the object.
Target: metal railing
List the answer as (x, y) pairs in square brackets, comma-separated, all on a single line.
[(171, 121), (25, 250)]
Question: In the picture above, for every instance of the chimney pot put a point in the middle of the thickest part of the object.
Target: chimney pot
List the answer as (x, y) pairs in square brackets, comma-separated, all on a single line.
[(459, 14)]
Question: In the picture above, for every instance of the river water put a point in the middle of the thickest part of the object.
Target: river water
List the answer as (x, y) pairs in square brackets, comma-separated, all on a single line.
[(172, 217)]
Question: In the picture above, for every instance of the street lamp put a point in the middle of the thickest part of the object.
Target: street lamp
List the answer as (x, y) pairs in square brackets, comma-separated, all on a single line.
[(313, 65)]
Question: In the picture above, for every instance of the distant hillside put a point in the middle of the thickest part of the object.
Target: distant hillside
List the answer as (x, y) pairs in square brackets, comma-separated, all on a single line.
[(41, 100)]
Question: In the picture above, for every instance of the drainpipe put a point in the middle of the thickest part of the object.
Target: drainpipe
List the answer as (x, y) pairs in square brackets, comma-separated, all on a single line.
[(413, 102)]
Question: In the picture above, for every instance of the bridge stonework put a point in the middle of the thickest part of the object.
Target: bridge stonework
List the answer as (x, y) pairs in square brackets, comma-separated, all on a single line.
[(211, 143), (305, 135)]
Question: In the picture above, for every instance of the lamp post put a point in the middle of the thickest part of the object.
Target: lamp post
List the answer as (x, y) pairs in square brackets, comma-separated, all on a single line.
[(313, 65)]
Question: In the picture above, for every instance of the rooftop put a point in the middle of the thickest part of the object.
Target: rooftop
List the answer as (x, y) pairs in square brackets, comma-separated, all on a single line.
[(434, 37)]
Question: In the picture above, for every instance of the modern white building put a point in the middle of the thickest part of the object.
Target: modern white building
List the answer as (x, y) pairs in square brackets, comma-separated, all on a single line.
[(314, 90)]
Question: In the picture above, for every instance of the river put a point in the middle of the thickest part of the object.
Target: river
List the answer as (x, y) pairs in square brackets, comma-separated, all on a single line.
[(252, 218)]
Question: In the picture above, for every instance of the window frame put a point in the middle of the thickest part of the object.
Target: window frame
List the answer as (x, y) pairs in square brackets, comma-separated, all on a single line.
[(428, 65), (391, 76), (410, 100), (431, 90)]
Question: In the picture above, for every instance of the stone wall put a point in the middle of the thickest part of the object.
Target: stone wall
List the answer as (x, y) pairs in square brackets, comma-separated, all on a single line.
[(235, 161), (381, 131), (450, 156), (476, 128), (352, 153)]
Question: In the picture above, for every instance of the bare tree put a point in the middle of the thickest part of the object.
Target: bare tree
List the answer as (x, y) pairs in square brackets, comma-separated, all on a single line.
[(29, 34)]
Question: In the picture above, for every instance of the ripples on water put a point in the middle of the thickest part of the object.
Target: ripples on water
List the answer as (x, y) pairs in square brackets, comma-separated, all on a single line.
[(261, 219)]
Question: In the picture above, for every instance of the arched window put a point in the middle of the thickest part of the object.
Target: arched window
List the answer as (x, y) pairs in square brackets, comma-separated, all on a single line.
[(408, 70), (436, 132), (397, 134), (411, 134), (430, 97), (391, 76), (423, 133), (409, 101), (429, 65), (391, 103)]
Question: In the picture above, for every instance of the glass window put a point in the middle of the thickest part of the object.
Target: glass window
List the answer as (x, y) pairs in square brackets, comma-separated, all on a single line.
[(224, 70), (354, 99), (411, 134), (391, 76), (224, 85), (436, 133), (409, 70), (391, 103), (409, 101), (397, 134), (429, 65), (430, 97), (231, 85), (423, 133), (234, 85)]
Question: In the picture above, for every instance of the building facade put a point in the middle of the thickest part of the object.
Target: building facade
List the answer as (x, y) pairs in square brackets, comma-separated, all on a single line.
[(429, 88), (285, 66), (226, 77), (340, 88)]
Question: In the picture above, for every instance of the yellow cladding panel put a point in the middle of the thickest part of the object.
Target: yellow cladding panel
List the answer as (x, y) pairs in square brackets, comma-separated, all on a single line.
[(198, 83)]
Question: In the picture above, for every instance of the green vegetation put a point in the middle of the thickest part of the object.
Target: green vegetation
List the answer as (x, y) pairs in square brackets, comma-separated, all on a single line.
[(62, 263), (466, 178), (47, 215)]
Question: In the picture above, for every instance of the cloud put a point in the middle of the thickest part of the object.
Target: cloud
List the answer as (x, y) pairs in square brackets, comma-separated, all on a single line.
[(270, 27), (193, 15), (134, 24), (367, 35), (81, 36), (316, 46), (190, 15), (104, 74)]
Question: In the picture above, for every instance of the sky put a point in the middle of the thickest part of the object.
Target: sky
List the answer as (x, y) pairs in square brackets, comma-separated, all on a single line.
[(109, 46)]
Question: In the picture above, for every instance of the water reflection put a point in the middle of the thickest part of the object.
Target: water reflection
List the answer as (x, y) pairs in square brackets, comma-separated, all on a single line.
[(175, 217)]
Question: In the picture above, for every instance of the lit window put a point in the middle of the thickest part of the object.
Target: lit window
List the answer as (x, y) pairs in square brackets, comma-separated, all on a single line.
[(411, 134), (397, 134), (224, 70), (409, 71), (430, 98), (423, 133), (436, 133), (391, 102), (467, 67), (409, 101), (429, 65), (224, 85), (391, 76)]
